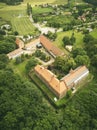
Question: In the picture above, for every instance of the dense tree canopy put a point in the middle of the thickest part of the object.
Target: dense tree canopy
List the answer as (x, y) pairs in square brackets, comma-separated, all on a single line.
[(11, 2), (31, 64), (94, 2), (21, 106), (7, 44)]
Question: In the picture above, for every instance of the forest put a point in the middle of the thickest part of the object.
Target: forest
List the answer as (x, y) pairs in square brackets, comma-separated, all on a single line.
[(94, 2), (11, 2)]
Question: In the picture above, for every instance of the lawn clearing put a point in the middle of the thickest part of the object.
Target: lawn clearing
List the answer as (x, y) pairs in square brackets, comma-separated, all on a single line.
[(19, 68), (78, 36)]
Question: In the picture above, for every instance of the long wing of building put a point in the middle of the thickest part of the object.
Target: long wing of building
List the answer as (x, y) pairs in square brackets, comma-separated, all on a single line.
[(60, 87)]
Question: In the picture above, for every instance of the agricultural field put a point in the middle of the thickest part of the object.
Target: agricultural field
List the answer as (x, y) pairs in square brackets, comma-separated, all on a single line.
[(17, 17)]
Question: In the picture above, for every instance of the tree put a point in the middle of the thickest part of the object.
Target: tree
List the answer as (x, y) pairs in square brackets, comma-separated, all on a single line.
[(80, 11), (2, 32), (51, 35), (11, 2), (31, 64), (68, 94), (29, 9), (91, 47), (82, 60), (78, 51), (66, 40), (87, 38), (94, 2), (72, 39), (94, 9), (16, 33), (7, 44), (18, 60), (4, 58), (2, 65), (94, 60)]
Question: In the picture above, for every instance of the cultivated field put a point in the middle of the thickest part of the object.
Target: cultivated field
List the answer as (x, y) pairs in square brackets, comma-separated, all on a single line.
[(17, 17)]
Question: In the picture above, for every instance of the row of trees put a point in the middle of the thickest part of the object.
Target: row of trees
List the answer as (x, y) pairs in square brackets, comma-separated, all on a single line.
[(29, 9)]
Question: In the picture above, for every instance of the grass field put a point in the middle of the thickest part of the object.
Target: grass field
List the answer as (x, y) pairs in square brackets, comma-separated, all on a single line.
[(39, 10), (38, 2), (16, 15), (60, 35), (19, 68)]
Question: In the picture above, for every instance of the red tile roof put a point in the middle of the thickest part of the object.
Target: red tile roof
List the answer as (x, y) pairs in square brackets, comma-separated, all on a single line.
[(30, 45), (15, 53), (74, 75), (57, 85), (50, 47), (61, 86), (19, 43)]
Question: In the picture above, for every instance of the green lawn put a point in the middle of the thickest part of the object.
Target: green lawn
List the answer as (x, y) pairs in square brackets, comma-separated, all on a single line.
[(19, 68), (78, 36), (39, 10), (94, 33)]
